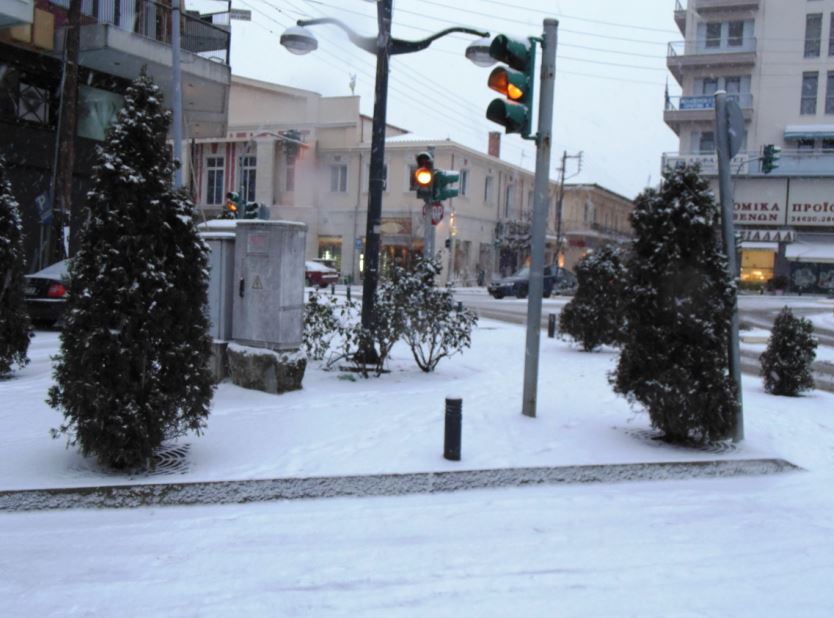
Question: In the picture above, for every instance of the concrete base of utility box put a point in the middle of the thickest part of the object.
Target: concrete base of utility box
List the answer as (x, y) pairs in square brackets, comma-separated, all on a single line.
[(218, 362), (266, 370)]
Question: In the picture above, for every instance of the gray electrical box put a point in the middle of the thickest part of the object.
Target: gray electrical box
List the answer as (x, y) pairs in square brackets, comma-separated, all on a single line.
[(221, 282), (268, 291)]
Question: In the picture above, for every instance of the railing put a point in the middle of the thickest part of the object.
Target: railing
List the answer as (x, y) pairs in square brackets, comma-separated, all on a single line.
[(791, 162), (700, 46), (679, 6), (707, 101), (207, 35)]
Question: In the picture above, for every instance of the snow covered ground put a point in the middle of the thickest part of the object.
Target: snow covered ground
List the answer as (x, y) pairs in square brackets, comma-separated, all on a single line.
[(757, 546)]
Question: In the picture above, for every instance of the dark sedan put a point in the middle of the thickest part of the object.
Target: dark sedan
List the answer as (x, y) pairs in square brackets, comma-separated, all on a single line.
[(556, 280), (45, 293)]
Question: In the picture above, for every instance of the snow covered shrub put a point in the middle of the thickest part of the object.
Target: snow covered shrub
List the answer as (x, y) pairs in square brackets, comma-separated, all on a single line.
[(677, 314), (14, 322), (594, 316), (320, 325), (133, 365), (432, 325), (786, 363)]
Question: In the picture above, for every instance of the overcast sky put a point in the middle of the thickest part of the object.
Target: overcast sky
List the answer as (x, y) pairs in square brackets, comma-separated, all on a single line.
[(610, 74)]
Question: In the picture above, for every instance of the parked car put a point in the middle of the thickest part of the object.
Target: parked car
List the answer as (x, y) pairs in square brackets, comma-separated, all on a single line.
[(318, 274), (558, 280), (45, 293)]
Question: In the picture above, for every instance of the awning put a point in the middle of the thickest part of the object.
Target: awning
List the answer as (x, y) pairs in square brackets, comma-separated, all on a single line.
[(809, 131), (760, 246), (810, 252)]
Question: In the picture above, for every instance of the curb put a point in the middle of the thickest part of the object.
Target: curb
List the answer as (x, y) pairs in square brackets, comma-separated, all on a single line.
[(240, 492)]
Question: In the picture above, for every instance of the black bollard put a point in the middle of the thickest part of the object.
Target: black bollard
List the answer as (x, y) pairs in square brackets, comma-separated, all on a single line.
[(347, 292), (451, 438), (551, 325), (460, 305), (332, 289)]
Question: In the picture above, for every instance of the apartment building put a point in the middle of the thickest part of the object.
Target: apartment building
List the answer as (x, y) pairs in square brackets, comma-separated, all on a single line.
[(776, 60), (307, 158), (117, 39)]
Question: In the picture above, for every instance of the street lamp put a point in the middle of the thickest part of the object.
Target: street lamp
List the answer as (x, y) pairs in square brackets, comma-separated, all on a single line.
[(300, 41)]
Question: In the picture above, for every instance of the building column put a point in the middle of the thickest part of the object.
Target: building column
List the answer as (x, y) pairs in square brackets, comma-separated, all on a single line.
[(265, 171)]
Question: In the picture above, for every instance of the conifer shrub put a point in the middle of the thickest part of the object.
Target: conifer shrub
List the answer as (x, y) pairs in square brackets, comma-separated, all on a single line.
[(594, 316), (15, 330), (791, 349), (673, 359), (133, 365)]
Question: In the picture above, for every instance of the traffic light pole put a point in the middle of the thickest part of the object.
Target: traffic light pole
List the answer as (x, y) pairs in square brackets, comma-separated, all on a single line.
[(541, 200)]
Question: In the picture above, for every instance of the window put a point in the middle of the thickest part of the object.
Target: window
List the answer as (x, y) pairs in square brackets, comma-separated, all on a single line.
[(509, 204), (732, 85), (713, 34), (489, 190), (735, 34), (248, 163), (214, 180), (828, 145), (463, 184), (829, 93), (805, 144), (808, 103), (813, 34), (338, 178), (710, 85), (706, 142), (831, 36)]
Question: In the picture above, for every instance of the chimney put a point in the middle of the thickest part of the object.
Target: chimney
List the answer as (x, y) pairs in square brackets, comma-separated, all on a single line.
[(494, 148)]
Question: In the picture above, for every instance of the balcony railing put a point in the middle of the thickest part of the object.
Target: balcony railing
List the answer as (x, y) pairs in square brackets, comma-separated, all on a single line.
[(707, 101), (705, 46), (679, 6), (746, 163), (206, 35)]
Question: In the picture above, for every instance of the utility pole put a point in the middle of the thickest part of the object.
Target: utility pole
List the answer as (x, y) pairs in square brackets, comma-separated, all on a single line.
[(540, 204), (562, 178), (177, 91), (64, 160)]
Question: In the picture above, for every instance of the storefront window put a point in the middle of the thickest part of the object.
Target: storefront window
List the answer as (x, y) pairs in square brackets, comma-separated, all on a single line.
[(757, 266), (330, 251)]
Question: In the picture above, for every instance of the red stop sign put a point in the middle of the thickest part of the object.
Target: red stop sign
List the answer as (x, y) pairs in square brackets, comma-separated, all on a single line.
[(436, 213)]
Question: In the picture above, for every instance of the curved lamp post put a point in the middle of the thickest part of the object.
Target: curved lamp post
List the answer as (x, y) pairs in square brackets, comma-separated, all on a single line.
[(298, 40)]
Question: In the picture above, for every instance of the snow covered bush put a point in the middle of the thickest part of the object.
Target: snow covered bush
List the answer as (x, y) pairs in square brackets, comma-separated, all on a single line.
[(133, 365), (594, 316), (320, 325), (677, 314), (15, 331), (791, 349), (432, 325)]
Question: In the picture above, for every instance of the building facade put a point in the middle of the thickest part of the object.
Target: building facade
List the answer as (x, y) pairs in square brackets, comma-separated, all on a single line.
[(307, 157), (117, 39), (776, 60)]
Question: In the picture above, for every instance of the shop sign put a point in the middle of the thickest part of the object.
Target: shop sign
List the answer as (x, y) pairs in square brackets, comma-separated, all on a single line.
[(753, 235), (759, 202)]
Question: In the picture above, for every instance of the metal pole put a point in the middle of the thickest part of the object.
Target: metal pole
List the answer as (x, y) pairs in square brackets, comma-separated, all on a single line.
[(543, 146), (177, 95), (377, 180), (559, 208), (725, 189)]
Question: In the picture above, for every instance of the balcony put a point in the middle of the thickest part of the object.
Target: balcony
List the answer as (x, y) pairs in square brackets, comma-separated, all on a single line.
[(683, 56), (680, 16), (715, 6), (120, 42), (16, 13), (807, 163), (681, 110)]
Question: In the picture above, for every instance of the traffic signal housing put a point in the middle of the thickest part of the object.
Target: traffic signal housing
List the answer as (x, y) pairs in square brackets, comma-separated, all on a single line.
[(442, 189), (515, 82), (232, 209), (770, 158), (424, 176)]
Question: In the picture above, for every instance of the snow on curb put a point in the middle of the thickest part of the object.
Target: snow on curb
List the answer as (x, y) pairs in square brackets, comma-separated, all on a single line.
[(236, 492)]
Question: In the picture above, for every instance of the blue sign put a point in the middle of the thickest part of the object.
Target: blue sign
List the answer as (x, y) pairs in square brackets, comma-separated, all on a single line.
[(358, 244), (42, 203)]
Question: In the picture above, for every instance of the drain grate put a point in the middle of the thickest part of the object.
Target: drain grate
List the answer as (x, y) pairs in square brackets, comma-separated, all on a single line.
[(170, 459)]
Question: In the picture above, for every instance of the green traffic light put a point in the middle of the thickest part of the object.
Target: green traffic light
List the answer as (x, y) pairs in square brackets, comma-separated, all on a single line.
[(770, 158), (441, 189), (514, 117), (514, 52)]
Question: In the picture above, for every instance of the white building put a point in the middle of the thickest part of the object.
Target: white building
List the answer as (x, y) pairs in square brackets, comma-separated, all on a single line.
[(776, 59)]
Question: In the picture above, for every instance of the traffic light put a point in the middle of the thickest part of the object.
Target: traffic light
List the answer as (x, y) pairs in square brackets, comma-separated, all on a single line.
[(442, 189), (515, 82), (770, 158), (251, 210), (424, 176)]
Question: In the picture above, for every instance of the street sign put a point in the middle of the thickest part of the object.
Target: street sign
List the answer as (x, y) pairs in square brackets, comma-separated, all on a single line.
[(735, 126), (436, 212), (44, 208), (357, 244)]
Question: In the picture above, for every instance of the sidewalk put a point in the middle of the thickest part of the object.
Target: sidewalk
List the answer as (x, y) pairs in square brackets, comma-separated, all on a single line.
[(393, 425)]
